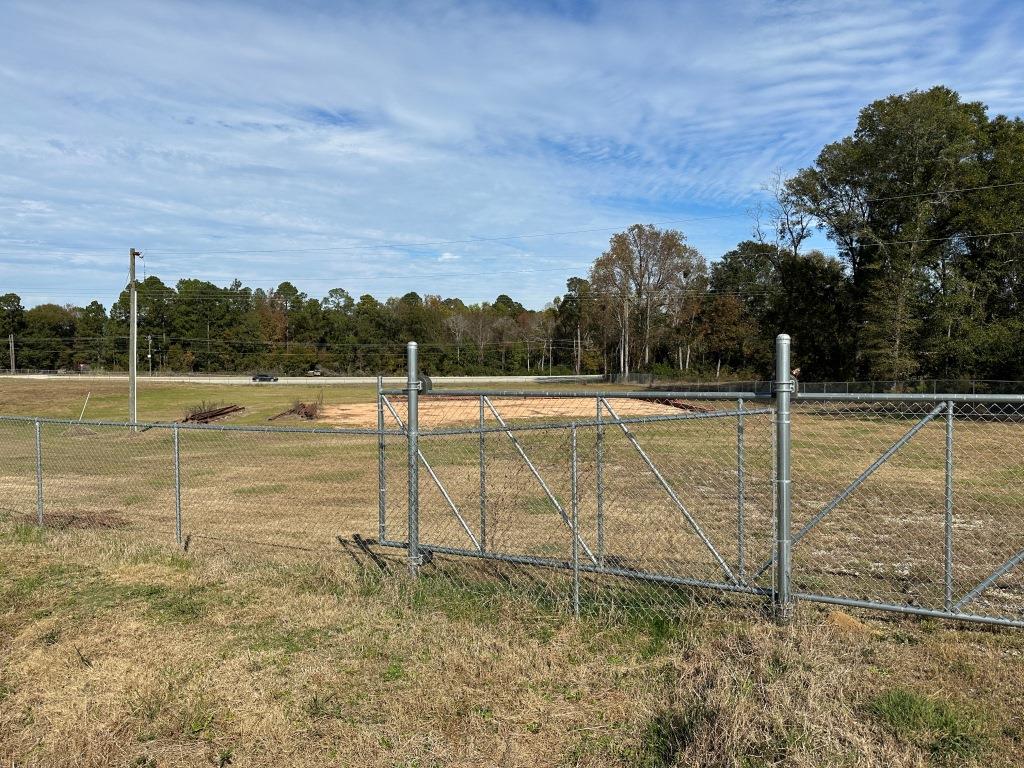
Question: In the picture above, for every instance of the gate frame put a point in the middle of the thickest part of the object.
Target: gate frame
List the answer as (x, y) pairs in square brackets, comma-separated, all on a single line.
[(784, 391), (570, 518)]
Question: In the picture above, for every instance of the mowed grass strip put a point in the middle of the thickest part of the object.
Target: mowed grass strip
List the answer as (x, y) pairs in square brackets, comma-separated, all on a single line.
[(169, 401), (114, 652)]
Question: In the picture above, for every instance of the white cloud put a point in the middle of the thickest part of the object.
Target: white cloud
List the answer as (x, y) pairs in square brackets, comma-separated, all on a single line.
[(448, 256), (183, 127)]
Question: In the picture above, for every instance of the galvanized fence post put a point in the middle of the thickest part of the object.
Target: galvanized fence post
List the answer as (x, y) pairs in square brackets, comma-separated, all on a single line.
[(574, 492), (783, 389), (483, 479), (381, 466), (412, 433), (948, 543), (600, 483), (741, 480), (177, 485), (39, 472)]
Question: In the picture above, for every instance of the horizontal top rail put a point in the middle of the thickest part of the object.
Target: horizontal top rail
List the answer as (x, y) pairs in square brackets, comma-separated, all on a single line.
[(842, 397), (199, 427), (641, 395), (581, 423), (910, 397)]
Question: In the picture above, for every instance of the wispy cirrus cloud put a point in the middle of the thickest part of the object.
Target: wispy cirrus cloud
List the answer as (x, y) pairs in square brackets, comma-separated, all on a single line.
[(196, 131)]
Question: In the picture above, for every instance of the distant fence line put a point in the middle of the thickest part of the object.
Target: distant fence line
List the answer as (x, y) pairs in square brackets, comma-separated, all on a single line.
[(865, 387), (868, 387)]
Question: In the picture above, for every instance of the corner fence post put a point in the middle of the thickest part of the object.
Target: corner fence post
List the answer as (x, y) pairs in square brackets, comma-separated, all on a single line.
[(177, 485), (39, 472), (600, 484), (741, 493), (412, 433), (381, 466), (483, 479), (783, 389), (947, 602), (574, 493)]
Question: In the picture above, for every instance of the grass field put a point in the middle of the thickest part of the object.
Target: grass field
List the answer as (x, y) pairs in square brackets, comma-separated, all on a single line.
[(306, 652), (116, 652), (108, 400)]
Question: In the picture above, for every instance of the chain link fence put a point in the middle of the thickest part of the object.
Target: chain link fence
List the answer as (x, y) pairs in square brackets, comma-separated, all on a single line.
[(201, 486), (915, 506), (634, 500), (591, 502)]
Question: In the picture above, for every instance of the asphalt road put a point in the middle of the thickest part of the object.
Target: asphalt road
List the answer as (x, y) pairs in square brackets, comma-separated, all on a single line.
[(389, 381)]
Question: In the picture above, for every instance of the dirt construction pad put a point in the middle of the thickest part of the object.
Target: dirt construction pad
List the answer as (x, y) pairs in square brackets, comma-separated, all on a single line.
[(437, 411)]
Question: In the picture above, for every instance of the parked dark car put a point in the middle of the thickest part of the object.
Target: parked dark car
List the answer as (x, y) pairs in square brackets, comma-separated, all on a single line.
[(264, 377)]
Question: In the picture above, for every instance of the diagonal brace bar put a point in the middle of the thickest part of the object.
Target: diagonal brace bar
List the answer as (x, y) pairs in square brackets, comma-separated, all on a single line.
[(849, 490), (551, 497), (435, 478), (672, 494), (997, 574)]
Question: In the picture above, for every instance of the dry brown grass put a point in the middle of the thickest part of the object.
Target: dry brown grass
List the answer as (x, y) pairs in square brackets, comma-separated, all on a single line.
[(114, 652), (118, 649)]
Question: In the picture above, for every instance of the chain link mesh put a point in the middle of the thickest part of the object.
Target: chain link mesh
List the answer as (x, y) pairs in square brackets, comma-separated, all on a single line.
[(668, 496), (265, 487), (879, 515), (591, 504)]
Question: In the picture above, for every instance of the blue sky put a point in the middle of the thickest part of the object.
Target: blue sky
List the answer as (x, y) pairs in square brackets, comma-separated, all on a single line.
[(383, 148)]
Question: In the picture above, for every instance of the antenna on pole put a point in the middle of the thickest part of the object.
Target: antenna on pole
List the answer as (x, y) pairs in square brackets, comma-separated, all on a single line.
[(133, 342)]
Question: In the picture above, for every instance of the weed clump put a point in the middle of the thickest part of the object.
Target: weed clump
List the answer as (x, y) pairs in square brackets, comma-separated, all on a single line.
[(946, 731)]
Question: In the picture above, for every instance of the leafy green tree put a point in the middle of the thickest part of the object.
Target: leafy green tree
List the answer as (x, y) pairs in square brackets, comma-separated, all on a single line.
[(47, 339), (12, 321), (896, 197), (90, 342)]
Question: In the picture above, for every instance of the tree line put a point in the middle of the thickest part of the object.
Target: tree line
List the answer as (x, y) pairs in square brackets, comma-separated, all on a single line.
[(924, 204)]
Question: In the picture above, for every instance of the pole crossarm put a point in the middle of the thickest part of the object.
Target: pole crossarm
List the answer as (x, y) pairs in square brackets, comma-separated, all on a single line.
[(671, 493)]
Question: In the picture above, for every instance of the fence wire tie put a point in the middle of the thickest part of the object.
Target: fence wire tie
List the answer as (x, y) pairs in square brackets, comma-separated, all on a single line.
[(849, 490), (672, 494)]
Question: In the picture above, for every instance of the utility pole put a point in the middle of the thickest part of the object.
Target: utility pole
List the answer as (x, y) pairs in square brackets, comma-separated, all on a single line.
[(149, 354), (579, 349), (10, 339), (133, 341)]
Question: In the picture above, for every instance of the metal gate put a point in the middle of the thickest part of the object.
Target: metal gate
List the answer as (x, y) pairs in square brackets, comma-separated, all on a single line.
[(907, 503)]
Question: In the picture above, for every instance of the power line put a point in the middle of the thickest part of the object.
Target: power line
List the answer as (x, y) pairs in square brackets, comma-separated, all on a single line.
[(944, 192), (398, 347), (941, 239), (409, 246), (524, 236), (150, 290), (227, 294), (215, 293), (440, 243)]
